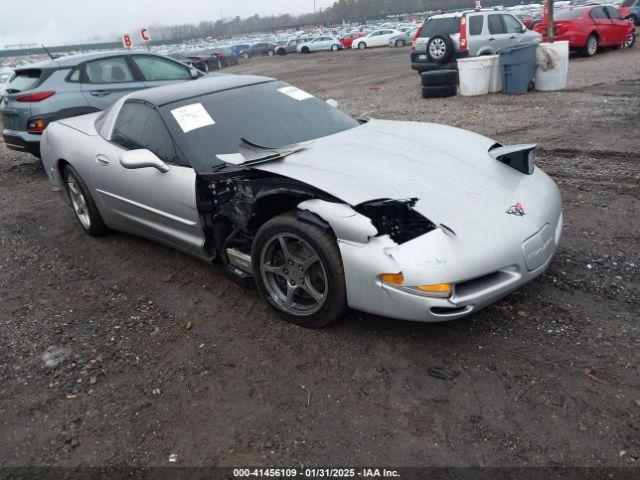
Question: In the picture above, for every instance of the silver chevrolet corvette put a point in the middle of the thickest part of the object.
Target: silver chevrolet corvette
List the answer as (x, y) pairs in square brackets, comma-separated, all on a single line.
[(320, 211)]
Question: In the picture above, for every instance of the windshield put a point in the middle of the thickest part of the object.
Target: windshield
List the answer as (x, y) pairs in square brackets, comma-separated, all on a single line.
[(270, 114)]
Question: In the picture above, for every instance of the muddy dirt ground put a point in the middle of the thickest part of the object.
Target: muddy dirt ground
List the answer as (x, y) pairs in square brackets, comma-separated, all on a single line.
[(167, 356)]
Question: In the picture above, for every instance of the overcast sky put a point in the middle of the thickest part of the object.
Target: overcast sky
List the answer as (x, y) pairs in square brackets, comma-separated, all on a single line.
[(56, 22)]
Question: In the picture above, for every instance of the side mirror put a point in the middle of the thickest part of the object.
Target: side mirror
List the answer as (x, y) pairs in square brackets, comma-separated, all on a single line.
[(333, 103), (142, 158)]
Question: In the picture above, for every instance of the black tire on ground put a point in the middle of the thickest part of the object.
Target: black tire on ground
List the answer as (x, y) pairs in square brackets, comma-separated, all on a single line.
[(362, 45), (305, 50), (97, 226), (400, 43), (439, 77), (588, 49), (335, 48), (445, 41), (439, 91), (281, 51), (325, 247)]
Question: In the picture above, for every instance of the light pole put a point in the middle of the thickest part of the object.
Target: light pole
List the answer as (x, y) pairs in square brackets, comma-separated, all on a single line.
[(550, 30)]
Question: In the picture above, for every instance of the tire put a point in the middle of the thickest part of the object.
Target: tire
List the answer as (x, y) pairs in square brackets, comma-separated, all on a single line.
[(439, 77), (439, 91), (630, 41), (304, 50), (591, 47), (362, 46), (281, 51), (304, 310), (400, 43), (440, 48), (83, 204), (270, 53), (246, 56), (334, 48)]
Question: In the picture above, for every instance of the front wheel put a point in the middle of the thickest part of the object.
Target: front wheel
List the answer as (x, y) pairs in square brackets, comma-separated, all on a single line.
[(399, 43), (83, 204), (630, 40), (305, 50), (270, 53), (298, 268), (362, 46), (334, 48)]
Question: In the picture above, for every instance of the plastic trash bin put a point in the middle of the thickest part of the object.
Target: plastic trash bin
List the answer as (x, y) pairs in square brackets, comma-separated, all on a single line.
[(474, 75), (495, 83), (553, 66), (518, 68)]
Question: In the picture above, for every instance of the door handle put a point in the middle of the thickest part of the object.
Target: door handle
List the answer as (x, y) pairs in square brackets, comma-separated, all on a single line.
[(102, 160), (100, 93)]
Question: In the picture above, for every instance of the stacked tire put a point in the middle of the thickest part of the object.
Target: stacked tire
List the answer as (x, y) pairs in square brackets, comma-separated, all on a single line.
[(439, 83)]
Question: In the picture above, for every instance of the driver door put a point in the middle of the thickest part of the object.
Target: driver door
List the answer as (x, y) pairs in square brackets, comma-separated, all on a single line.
[(145, 201)]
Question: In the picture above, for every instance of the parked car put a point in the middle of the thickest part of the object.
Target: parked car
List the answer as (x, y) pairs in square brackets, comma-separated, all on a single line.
[(377, 38), (5, 75), (389, 217), (320, 44), (347, 40), (446, 37), (630, 10), (205, 60), (240, 47), (226, 55), (259, 49), (291, 46), (404, 38), (589, 28), (41, 93)]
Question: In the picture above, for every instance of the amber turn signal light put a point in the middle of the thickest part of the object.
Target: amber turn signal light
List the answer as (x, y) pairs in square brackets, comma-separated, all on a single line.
[(392, 278)]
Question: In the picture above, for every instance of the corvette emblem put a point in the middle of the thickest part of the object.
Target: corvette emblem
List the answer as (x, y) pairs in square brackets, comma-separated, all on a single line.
[(516, 210)]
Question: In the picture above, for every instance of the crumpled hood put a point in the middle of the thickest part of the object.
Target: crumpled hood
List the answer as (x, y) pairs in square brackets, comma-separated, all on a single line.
[(447, 169)]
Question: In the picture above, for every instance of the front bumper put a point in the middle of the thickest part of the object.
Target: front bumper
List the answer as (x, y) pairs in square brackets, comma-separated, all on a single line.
[(22, 141), (363, 264)]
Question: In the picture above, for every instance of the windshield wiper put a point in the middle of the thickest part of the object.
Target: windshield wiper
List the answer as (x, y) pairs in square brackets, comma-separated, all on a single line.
[(250, 153)]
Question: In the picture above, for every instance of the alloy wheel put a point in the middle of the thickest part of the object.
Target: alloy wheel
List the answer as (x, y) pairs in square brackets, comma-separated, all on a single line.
[(592, 45), (437, 48), (78, 202), (628, 43), (293, 274)]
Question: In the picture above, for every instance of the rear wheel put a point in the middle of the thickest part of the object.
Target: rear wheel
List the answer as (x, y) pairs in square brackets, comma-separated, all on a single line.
[(83, 204), (400, 43), (591, 47), (270, 53), (298, 268), (334, 48)]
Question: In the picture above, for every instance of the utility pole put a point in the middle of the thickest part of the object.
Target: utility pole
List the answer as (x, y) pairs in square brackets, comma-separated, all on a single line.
[(550, 30), (315, 18)]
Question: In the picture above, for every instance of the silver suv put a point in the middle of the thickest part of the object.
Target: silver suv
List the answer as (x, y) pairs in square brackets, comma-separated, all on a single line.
[(41, 93), (445, 38)]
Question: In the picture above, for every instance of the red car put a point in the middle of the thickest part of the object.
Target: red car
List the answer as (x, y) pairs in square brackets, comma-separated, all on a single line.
[(589, 28), (348, 39)]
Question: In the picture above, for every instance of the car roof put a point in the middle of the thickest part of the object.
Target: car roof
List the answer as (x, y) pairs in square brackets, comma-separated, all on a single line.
[(213, 83), (71, 61)]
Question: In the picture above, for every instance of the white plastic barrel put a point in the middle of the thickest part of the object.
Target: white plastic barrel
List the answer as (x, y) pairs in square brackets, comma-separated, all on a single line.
[(495, 82), (553, 66), (475, 75)]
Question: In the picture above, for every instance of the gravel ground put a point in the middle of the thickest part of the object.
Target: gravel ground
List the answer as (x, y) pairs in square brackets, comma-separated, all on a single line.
[(164, 355)]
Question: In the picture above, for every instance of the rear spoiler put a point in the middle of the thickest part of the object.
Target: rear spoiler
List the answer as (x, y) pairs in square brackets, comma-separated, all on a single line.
[(519, 157)]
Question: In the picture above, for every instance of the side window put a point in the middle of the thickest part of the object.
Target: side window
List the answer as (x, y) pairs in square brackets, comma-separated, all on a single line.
[(108, 70), (476, 22), (598, 14), (156, 68), (74, 76), (511, 24), (140, 126), (496, 26), (613, 13)]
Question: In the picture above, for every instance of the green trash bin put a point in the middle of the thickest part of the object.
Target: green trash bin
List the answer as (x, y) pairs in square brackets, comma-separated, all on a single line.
[(518, 64)]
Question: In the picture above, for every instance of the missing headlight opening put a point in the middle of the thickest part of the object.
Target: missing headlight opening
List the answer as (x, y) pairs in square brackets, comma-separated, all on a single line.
[(396, 218)]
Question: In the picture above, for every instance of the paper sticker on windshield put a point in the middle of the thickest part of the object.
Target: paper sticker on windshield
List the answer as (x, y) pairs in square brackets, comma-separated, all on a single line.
[(295, 93), (191, 117)]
